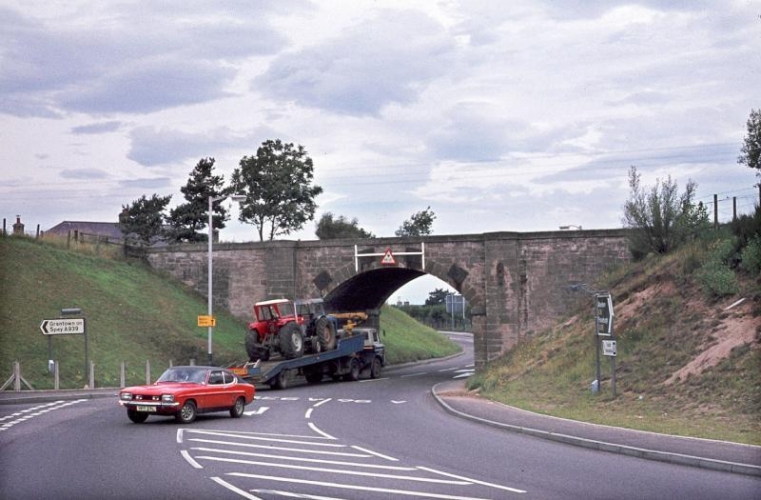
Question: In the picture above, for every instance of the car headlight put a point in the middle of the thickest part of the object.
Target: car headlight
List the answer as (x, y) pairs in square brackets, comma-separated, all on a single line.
[(125, 396), (167, 398)]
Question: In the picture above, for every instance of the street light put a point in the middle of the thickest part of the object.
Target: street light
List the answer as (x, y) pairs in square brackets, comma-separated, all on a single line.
[(212, 200)]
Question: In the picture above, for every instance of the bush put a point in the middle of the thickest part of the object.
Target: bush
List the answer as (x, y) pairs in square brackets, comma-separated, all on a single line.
[(751, 257), (716, 279)]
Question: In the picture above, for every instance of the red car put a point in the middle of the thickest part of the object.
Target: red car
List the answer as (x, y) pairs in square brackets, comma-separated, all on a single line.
[(185, 391)]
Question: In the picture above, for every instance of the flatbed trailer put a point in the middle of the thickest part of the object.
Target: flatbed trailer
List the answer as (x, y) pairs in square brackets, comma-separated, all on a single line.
[(354, 353)]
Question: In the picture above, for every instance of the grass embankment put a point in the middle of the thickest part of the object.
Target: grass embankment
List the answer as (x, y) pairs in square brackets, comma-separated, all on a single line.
[(686, 364), (133, 315)]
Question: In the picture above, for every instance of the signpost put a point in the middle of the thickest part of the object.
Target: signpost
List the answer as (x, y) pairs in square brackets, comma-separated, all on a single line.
[(604, 328), (65, 326)]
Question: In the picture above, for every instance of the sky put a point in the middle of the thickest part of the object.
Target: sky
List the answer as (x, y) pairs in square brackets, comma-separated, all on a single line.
[(499, 116)]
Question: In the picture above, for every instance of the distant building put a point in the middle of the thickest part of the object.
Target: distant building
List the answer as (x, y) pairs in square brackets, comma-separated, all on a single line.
[(88, 230)]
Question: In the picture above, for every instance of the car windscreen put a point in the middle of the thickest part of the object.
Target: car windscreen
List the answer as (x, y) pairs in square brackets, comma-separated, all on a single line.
[(183, 374)]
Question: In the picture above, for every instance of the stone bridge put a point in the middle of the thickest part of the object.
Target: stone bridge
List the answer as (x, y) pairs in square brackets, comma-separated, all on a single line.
[(515, 283)]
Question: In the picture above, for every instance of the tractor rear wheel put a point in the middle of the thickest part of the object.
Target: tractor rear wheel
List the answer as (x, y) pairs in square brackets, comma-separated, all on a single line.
[(291, 341), (326, 334)]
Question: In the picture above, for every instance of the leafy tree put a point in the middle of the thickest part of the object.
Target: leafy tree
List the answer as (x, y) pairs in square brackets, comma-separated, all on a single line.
[(187, 219), (661, 219), (437, 297), (418, 225), (143, 221), (751, 149), (277, 182), (332, 228)]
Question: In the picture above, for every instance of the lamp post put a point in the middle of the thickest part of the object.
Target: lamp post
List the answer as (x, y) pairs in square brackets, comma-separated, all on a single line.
[(212, 200)]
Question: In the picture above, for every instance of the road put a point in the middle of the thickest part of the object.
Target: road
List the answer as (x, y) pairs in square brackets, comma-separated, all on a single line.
[(374, 439)]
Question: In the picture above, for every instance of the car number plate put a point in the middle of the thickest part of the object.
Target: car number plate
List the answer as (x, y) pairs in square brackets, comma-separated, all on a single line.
[(151, 409)]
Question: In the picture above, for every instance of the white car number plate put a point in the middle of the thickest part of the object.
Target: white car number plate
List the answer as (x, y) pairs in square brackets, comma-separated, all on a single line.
[(151, 409)]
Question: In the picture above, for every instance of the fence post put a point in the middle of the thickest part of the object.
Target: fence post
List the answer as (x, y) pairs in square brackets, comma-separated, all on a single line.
[(92, 374), (16, 376), (147, 371), (122, 379), (56, 376), (192, 361)]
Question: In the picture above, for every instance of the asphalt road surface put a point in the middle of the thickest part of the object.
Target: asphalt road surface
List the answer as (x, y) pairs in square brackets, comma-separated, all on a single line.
[(374, 439)]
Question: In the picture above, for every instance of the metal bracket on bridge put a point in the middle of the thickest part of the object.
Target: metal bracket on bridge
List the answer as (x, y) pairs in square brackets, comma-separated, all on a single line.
[(385, 254)]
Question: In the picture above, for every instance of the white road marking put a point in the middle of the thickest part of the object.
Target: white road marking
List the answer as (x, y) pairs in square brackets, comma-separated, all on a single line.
[(334, 471), (24, 415), (234, 489), (310, 460), (288, 494), (308, 414), (281, 448), (391, 459), (258, 411), (190, 460), (353, 487), (398, 402), (491, 485), (318, 431)]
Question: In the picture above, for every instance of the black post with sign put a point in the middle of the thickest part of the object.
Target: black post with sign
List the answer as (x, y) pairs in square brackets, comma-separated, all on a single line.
[(604, 328)]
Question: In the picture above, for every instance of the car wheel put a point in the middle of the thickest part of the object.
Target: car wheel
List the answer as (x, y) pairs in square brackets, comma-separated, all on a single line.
[(326, 334), (136, 416), (237, 410), (187, 413), (291, 341), (375, 368)]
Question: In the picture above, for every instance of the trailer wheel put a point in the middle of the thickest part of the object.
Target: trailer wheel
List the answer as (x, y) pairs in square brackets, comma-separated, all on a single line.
[(280, 381), (291, 341), (326, 334), (313, 375), (353, 374), (375, 368)]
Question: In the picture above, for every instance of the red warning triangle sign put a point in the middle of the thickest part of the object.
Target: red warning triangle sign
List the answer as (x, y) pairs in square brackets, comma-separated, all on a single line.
[(388, 258)]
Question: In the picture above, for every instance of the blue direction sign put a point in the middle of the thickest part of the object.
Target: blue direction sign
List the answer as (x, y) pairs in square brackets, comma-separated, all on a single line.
[(68, 326)]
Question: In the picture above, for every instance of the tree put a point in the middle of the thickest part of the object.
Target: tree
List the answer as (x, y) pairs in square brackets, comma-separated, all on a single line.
[(751, 149), (331, 228), (418, 225), (187, 219), (278, 186), (661, 219), (437, 297), (143, 221)]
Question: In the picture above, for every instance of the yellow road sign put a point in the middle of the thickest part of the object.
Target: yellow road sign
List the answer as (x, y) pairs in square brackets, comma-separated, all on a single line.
[(206, 320)]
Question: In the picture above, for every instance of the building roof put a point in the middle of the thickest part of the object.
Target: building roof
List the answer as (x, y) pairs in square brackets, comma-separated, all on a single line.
[(108, 229)]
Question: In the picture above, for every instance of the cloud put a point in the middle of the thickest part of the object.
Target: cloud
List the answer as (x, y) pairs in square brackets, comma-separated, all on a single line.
[(84, 173), (106, 63), (97, 128), (151, 147), (388, 59)]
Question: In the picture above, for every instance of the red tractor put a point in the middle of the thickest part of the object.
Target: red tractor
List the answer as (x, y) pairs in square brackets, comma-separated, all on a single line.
[(290, 328)]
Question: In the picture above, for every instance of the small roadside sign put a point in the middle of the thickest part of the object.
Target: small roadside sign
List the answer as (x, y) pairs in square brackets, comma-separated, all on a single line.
[(388, 258), (609, 348), (604, 314), (68, 326), (205, 321)]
